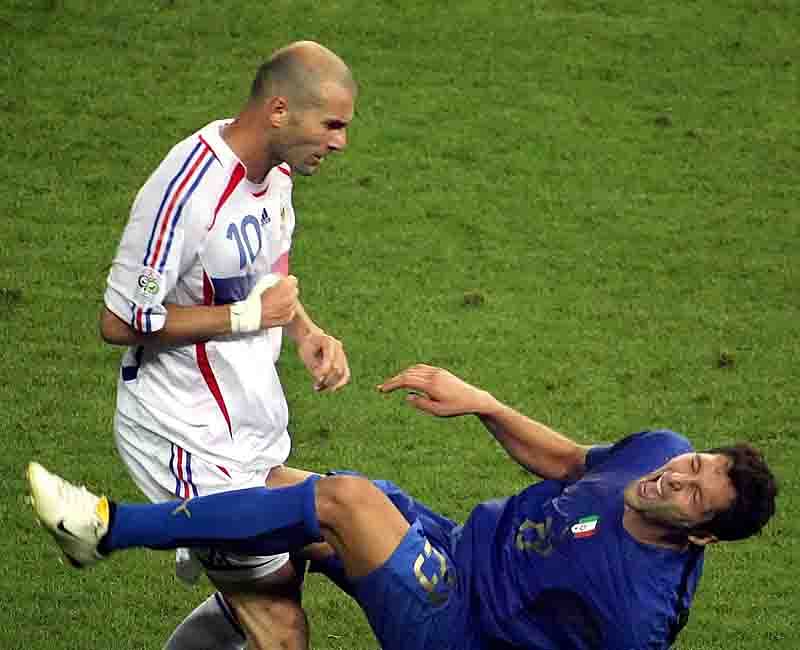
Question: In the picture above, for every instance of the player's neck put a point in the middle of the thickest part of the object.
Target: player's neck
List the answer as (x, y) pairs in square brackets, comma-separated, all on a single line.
[(652, 533), (247, 143)]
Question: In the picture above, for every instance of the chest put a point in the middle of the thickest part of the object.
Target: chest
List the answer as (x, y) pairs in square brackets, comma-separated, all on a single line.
[(249, 233)]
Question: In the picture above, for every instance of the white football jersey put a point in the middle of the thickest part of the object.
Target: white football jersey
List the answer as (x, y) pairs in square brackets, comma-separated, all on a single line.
[(200, 233)]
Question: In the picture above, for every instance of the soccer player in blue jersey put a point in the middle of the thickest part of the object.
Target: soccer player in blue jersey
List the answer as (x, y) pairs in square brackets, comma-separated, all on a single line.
[(604, 554)]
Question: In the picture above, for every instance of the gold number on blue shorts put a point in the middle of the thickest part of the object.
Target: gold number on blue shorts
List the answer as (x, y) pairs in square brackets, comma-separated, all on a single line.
[(440, 575)]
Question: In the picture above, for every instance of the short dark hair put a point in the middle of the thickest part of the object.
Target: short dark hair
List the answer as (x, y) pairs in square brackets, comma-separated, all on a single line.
[(756, 489), (285, 73), (289, 72)]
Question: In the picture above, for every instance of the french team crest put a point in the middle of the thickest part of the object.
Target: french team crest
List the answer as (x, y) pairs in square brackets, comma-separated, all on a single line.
[(585, 527)]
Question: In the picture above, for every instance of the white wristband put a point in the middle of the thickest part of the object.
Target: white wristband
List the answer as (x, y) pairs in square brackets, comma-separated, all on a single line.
[(246, 314)]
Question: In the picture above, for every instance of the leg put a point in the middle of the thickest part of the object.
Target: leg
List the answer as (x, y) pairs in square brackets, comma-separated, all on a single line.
[(163, 471), (270, 611), (403, 582), (359, 521), (348, 512), (265, 614), (209, 625)]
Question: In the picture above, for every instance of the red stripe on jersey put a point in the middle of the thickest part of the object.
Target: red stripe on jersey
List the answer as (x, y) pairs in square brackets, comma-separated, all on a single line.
[(139, 319), (224, 471), (168, 212), (211, 381), (202, 358), (208, 290), (203, 140), (258, 195), (286, 170), (236, 177)]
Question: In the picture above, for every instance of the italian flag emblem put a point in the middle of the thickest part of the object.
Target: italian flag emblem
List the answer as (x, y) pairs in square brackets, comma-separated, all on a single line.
[(585, 527)]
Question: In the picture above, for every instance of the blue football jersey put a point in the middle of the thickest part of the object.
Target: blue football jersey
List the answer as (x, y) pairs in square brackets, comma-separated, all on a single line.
[(553, 568)]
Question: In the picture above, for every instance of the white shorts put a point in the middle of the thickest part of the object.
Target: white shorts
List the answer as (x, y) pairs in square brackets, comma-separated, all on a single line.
[(163, 471)]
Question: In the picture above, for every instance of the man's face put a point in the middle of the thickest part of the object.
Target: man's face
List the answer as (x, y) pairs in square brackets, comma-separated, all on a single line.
[(686, 492), (314, 132)]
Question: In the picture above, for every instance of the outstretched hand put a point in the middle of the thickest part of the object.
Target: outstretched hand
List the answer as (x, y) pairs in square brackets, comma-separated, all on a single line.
[(438, 391)]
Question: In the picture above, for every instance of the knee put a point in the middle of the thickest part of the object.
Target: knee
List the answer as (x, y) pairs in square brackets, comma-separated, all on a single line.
[(270, 620), (339, 496)]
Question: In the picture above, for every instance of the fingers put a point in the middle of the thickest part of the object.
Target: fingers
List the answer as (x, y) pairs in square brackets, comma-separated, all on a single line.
[(425, 404), (279, 302), (416, 377), (334, 380), (331, 370), (433, 390)]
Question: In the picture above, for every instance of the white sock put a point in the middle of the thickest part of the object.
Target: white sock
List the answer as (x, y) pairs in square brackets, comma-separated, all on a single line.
[(211, 626)]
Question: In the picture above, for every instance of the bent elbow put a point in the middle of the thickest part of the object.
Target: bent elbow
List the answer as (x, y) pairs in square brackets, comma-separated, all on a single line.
[(574, 465), (113, 331)]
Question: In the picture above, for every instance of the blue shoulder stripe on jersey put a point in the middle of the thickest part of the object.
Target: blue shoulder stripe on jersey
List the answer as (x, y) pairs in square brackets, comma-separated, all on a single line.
[(177, 217), (166, 196)]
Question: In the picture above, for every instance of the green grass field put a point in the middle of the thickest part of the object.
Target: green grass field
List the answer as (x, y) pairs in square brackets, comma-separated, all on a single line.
[(590, 208)]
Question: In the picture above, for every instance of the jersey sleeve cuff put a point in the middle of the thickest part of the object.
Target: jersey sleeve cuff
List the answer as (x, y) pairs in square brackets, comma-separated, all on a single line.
[(143, 319)]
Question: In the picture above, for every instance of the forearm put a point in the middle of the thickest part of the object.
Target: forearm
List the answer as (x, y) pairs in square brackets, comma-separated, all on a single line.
[(301, 325), (533, 445), (184, 325)]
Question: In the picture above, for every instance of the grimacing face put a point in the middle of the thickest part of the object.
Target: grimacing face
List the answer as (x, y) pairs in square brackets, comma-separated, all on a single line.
[(686, 492), (316, 131)]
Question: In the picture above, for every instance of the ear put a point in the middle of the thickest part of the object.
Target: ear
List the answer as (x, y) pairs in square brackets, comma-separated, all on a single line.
[(701, 538), (277, 110)]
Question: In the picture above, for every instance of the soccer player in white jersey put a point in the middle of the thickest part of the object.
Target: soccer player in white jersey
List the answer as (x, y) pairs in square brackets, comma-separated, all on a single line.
[(199, 290)]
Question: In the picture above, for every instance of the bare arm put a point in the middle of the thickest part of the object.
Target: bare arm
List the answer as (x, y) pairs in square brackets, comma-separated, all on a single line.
[(184, 326), (533, 445), (322, 354), (301, 325), (187, 324)]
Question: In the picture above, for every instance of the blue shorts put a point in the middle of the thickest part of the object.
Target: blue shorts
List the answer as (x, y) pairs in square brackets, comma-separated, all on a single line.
[(412, 602)]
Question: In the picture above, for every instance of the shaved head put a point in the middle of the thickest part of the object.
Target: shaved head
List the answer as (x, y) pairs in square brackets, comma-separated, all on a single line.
[(298, 72)]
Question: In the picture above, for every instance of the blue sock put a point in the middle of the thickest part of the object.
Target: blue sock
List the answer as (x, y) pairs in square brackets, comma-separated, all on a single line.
[(255, 521)]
